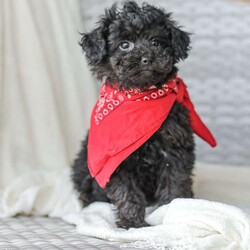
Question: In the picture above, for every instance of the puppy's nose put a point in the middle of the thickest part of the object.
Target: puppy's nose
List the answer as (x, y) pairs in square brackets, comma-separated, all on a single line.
[(144, 60)]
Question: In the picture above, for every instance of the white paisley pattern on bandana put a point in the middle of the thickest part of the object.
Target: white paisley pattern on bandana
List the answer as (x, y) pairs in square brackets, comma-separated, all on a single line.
[(110, 97)]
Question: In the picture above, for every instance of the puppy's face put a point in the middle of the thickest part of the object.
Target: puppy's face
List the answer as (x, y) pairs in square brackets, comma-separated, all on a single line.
[(135, 47)]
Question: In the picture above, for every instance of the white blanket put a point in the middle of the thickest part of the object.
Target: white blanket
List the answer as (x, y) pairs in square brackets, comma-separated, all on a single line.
[(183, 224)]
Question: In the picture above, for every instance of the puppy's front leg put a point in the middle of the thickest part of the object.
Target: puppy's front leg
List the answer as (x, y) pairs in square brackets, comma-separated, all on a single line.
[(129, 199), (175, 182)]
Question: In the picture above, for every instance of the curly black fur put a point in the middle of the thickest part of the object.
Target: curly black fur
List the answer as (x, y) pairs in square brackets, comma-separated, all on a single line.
[(138, 47)]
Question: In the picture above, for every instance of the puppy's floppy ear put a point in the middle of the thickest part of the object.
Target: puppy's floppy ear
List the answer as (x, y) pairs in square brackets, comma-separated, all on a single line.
[(94, 44), (180, 42)]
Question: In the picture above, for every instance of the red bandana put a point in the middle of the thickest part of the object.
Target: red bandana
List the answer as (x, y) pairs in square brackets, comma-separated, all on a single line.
[(123, 120)]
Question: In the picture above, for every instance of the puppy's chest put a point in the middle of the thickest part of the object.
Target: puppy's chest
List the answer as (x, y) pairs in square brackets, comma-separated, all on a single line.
[(174, 135), (175, 132)]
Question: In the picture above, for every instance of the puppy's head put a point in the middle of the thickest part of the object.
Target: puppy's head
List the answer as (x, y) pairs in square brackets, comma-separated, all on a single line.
[(135, 46)]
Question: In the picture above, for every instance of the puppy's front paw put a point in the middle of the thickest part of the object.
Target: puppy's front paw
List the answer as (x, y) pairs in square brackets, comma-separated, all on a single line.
[(126, 224)]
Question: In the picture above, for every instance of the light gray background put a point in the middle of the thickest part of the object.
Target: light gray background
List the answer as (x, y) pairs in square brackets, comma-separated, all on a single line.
[(217, 70)]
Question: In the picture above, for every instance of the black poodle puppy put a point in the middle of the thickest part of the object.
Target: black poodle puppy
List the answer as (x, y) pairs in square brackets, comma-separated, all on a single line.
[(136, 48)]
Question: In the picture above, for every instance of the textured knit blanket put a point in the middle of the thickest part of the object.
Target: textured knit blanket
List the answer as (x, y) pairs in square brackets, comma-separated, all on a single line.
[(182, 224)]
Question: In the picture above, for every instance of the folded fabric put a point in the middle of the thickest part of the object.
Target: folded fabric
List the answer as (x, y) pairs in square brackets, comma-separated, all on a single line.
[(183, 224), (39, 193)]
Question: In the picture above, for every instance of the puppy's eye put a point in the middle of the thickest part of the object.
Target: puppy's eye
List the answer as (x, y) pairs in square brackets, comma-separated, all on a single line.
[(126, 46), (155, 43)]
